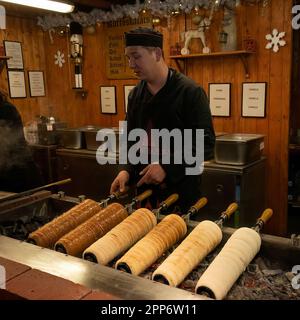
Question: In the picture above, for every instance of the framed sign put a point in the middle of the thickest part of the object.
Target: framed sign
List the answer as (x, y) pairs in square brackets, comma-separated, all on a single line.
[(13, 49), (219, 99), (108, 99), (254, 99), (36, 83), (127, 89), (117, 66), (16, 84)]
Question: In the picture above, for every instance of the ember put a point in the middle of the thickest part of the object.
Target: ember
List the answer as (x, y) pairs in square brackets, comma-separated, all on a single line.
[(262, 280)]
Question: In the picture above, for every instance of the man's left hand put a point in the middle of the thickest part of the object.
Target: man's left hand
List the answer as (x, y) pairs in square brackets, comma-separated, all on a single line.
[(152, 174)]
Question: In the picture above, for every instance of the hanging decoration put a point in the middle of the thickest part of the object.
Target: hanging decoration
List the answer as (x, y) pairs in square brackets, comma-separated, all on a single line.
[(159, 9), (275, 40), (203, 24), (59, 58)]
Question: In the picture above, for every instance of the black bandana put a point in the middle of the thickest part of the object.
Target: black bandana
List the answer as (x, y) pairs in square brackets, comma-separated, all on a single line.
[(143, 39)]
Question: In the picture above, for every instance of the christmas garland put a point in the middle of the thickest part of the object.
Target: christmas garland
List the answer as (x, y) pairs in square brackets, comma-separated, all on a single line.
[(161, 9)]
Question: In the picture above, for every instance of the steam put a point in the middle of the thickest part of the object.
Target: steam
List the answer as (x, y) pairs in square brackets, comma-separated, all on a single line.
[(13, 149)]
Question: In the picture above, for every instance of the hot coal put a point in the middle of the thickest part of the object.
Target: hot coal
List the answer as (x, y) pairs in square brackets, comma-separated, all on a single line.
[(262, 280)]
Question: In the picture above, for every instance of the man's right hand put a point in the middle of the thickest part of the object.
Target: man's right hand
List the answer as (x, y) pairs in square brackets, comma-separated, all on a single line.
[(119, 182)]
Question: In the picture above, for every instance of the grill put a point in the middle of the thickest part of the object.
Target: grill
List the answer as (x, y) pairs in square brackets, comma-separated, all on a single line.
[(268, 276)]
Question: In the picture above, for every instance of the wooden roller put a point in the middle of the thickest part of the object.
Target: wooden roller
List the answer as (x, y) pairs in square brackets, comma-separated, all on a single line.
[(47, 235), (146, 251), (232, 260), (121, 237), (77, 240)]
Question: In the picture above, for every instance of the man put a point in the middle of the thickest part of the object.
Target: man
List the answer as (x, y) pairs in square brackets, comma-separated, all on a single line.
[(163, 99)]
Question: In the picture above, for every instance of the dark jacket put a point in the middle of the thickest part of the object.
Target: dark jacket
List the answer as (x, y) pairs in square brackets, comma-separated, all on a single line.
[(18, 171), (181, 104)]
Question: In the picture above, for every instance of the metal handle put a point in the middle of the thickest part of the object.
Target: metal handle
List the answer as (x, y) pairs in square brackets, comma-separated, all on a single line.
[(28, 192), (118, 194), (230, 209), (263, 219), (266, 216), (170, 200), (146, 194), (199, 204), (195, 208)]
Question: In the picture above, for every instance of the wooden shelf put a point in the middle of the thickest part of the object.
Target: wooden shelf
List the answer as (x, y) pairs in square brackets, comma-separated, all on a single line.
[(3, 59), (242, 54), (83, 92)]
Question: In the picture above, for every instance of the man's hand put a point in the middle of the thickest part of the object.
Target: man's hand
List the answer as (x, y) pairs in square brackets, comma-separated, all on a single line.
[(120, 181), (152, 174)]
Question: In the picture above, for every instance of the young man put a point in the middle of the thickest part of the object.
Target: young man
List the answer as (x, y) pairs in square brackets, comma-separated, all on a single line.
[(163, 99)]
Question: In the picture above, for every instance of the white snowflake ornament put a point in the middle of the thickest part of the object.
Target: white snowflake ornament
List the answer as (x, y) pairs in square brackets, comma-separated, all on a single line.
[(59, 58), (276, 40)]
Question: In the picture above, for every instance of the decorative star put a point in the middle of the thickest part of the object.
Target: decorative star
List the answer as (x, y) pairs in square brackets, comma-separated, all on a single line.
[(275, 40), (59, 58)]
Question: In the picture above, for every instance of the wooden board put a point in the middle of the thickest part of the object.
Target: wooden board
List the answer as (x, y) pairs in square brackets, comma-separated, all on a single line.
[(116, 62)]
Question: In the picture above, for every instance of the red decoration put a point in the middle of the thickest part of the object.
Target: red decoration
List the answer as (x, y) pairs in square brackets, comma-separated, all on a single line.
[(249, 45)]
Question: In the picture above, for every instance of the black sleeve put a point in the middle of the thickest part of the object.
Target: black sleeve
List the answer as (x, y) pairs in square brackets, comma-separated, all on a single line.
[(196, 115), (130, 125)]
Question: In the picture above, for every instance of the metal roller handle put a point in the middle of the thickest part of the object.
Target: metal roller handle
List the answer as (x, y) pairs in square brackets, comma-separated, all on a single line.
[(118, 194), (263, 219), (140, 197), (229, 211), (195, 208), (198, 205), (146, 194), (227, 214), (28, 192), (169, 201)]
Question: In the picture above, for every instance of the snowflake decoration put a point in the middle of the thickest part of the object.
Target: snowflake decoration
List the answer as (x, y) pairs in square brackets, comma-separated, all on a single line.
[(59, 58), (275, 40)]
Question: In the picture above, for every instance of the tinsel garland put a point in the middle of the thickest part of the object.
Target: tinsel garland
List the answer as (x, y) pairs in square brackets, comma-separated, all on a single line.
[(161, 9), (157, 8)]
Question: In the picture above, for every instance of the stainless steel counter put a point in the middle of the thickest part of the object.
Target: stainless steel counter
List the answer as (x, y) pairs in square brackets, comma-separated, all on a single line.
[(91, 275)]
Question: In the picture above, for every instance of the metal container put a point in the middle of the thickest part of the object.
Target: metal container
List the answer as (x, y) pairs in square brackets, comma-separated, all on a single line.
[(90, 133), (93, 144), (238, 148), (71, 138), (47, 133)]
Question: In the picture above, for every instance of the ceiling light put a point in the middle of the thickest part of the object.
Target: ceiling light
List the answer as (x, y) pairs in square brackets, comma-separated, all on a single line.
[(45, 4)]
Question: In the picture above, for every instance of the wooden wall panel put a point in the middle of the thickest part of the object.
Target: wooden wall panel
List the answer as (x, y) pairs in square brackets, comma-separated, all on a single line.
[(68, 104), (264, 66), (32, 39)]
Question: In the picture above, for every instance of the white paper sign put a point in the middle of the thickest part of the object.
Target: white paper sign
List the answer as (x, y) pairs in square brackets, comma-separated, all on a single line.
[(254, 99), (36, 83), (108, 99), (2, 18), (16, 81), (13, 49), (219, 99)]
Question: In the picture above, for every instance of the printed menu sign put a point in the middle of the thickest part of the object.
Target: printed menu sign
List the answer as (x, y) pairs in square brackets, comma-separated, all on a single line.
[(13, 49)]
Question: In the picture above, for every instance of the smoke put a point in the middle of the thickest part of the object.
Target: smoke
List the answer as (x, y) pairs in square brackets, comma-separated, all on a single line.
[(13, 149)]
